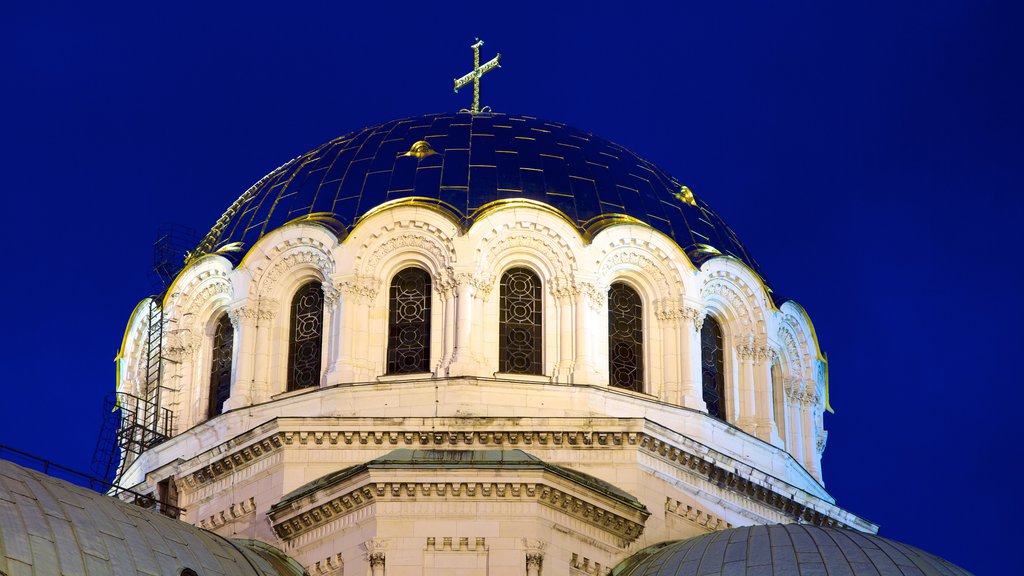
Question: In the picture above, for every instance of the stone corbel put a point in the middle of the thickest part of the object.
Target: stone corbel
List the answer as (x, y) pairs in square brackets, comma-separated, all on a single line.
[(820, 442)]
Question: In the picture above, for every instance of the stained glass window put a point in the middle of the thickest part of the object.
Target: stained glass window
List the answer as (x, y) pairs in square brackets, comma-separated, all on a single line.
[(307, 328), (625, 338), (712, 353), (220, 365), (409, 322), (520, 333)]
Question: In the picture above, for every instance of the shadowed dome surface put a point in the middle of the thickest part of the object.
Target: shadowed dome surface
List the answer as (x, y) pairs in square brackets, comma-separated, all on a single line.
[(50, 526), (785, 550), (470, 162)]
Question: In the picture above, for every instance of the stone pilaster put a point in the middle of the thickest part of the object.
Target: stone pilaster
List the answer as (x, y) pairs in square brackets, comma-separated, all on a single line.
[(534, 556), (356, 295), (690, 381), (468, 357), (591, 331)]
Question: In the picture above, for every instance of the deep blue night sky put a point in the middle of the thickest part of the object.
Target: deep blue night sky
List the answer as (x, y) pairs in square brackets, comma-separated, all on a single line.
[(870, 156)]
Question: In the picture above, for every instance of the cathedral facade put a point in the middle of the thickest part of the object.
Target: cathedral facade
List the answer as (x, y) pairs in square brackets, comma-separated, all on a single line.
[(472, 344)]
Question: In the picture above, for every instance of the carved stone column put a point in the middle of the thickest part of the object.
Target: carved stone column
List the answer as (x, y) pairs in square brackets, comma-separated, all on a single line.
[(376, 549), (591, 332), (468, 356), (243, 318), (565, 298), (534, 556), (690, 381), (746, 350), (446, 287), (764, 407), (332, 333), (263, 350), (357, 292), (669, 317), (794, 443)]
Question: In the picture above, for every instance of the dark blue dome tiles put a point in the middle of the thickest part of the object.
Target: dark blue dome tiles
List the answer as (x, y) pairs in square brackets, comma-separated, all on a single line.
[(474, 161)]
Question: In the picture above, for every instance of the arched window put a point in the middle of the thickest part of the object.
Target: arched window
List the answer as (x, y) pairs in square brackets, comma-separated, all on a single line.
[(409, 322), (220, 365), (307, 329), (712, 354), (779, 400), (520, 332), (625, 338)]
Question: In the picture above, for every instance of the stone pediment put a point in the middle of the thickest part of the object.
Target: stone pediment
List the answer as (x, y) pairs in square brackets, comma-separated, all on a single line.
[(461, 477)]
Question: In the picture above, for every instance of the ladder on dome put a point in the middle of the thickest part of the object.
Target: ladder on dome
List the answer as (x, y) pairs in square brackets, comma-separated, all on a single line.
[(134, 424)]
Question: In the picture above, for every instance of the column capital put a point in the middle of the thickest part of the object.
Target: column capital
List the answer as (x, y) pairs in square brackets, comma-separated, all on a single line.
[(360, 288)]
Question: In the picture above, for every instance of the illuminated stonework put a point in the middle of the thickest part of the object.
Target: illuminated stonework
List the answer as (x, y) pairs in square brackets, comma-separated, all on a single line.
[(551, 471)]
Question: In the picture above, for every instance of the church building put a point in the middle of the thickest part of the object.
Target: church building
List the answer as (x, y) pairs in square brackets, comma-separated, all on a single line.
[(481, 343)]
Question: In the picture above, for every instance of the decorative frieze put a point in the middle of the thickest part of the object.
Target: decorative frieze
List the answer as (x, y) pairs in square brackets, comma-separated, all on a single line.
[(702, 464), (243, 457), (288, 524), (731, 481)]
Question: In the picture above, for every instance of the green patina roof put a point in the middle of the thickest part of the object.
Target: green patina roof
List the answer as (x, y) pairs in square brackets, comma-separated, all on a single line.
[(405, 458)]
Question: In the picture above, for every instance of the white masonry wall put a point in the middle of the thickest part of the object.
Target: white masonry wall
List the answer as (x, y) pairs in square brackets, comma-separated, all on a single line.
[(464, 382)]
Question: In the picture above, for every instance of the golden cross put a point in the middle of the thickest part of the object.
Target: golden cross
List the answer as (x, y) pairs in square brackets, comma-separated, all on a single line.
[(475, 75)]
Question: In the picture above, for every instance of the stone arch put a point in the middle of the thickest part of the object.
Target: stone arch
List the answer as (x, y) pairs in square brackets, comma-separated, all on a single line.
[(287, 257), (736, 302), (533, 244), (398, 245)]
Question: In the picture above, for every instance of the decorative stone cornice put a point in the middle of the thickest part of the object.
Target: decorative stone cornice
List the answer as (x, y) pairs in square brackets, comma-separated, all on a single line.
[(234, 461), (231, 514), (731, 481), (296, 520), (695, 516), (703, 465)]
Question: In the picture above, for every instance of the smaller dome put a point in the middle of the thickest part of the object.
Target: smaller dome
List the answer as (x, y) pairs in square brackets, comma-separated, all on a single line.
[(785, 550)]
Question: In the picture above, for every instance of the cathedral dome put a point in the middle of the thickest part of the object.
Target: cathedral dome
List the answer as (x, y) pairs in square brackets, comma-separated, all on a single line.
[(783, 550), (464, 164)]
